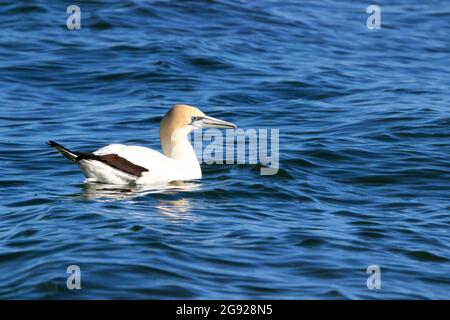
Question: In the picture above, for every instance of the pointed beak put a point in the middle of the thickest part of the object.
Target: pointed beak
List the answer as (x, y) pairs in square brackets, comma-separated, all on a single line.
[(210, 122)]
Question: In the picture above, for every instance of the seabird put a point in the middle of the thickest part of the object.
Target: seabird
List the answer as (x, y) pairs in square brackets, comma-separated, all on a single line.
[(121, 164)]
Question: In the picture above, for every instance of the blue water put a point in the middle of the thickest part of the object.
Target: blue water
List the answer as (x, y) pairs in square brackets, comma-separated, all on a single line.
[(364, 118)]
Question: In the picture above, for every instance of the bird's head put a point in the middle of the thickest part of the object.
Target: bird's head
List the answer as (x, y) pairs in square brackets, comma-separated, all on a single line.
[(181, 119)]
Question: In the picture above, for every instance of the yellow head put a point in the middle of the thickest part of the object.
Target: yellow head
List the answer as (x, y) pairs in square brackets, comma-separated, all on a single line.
[(180, 120)]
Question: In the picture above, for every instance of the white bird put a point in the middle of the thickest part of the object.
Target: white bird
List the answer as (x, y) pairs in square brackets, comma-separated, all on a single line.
[(121, 164)]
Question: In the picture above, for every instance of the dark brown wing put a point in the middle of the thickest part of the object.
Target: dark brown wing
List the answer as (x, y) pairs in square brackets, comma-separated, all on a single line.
[(114, 161)]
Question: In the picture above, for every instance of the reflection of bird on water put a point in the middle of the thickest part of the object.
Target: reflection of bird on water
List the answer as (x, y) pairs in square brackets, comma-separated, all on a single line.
[(106, 192)]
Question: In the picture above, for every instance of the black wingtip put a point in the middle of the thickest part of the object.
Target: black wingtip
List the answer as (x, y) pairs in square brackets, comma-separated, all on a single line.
[(52, 143)]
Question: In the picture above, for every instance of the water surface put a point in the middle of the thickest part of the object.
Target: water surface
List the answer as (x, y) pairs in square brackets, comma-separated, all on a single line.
[(364, 149)]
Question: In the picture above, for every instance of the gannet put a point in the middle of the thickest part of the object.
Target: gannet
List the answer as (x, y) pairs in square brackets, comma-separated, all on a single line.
[(122, 164)]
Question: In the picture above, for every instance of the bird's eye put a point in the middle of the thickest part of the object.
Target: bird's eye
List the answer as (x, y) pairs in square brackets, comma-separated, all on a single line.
[(194, 118)]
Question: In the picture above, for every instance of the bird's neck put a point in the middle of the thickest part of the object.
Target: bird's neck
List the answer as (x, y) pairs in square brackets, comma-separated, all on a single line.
[(178, 147), (184, 151)]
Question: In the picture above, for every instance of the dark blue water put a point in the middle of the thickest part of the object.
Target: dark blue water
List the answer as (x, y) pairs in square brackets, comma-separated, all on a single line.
[(364, 119)]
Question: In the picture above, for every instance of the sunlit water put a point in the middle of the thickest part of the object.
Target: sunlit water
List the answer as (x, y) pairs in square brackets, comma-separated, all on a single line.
[(364, 149)]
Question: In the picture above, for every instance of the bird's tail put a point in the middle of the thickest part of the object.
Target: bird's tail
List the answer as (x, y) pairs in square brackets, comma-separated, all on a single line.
[(64, 151)]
